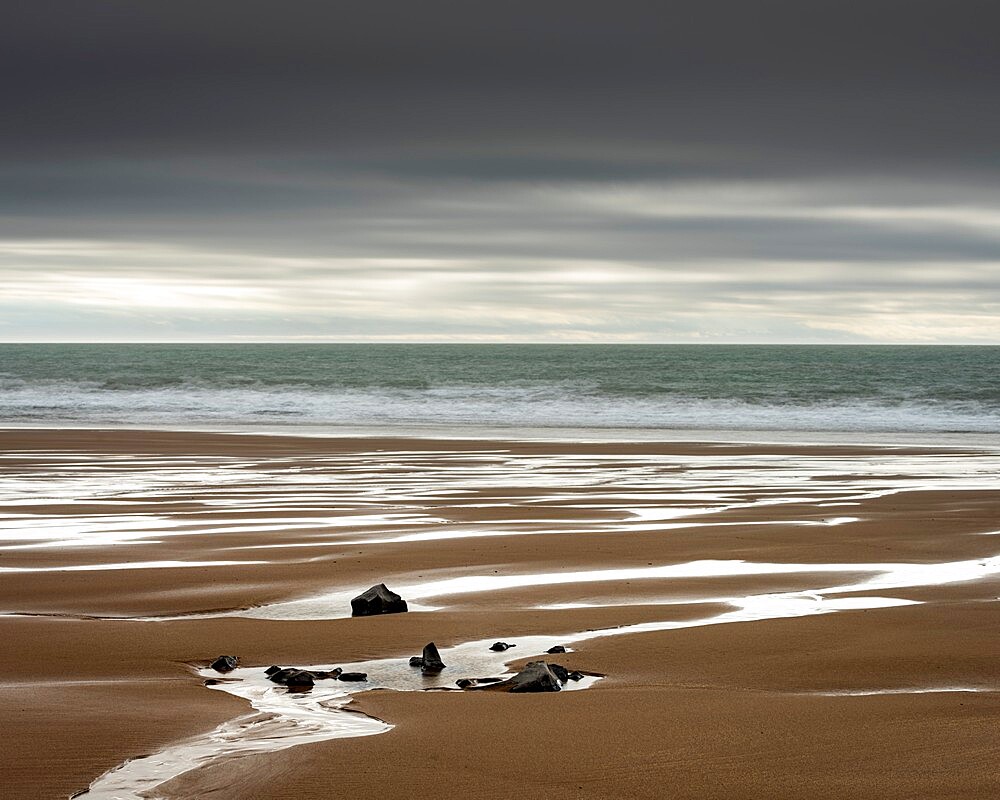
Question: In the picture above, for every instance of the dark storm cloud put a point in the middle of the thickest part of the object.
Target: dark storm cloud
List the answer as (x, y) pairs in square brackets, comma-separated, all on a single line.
[(166, 76), (632, 169)]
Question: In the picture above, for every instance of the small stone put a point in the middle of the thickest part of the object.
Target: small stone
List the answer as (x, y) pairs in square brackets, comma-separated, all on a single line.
[(557, 649), (271, 670), (416, 661), (499, 647), (465, 683), (353, 677)]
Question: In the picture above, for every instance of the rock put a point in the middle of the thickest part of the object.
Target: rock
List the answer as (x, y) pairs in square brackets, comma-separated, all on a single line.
[(353, 676), (377, 600), (431, 661), (560, 672), (225, 663), (212, 682), (575, 675), (299, 680), (489, 680), (535, 677), (557, 649), (499, 647), (271, 670), (416, 661), (285, 676), (280, 675)]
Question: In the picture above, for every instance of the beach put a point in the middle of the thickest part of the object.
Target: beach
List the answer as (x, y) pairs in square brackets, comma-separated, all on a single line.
[(452, 401), (760, 620)]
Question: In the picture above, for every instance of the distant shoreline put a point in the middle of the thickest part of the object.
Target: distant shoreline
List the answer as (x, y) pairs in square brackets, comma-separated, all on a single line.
[(923, 440)]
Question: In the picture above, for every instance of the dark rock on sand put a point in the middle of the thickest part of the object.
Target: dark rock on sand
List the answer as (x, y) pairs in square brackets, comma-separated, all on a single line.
[(353, 676), (557, 649), (225, 663), (416, 661), (575, 676), (499, 647), (535, 677), (431, 661), (212, 682), (377, 600), (271, 670)]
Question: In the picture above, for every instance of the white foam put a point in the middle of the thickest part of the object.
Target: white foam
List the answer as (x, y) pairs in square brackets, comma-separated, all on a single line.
[(536, 404)]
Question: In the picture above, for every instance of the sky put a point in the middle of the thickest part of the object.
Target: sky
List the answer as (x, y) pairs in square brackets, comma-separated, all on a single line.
[(711, 171)]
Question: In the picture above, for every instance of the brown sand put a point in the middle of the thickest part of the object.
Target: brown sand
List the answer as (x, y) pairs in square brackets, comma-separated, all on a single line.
[(734, 711)]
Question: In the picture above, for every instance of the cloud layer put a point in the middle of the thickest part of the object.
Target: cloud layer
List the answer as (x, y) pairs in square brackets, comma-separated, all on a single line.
[(724, 171)]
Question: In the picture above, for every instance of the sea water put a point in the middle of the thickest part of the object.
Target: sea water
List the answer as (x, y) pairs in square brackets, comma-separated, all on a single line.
[(479, 388)]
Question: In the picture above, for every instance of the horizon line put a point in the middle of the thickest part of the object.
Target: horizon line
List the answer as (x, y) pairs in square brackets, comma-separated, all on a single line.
[(489, 343)]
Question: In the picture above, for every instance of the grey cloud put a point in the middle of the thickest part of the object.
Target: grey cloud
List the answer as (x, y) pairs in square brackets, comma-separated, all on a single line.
[(634, 170), (887, 78)]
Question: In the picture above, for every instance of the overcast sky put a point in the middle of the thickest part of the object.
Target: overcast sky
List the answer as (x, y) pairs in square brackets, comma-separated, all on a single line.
[(710, 171)]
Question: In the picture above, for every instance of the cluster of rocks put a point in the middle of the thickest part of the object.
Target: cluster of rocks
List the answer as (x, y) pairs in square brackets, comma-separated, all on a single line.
[(301, 679), (297, 680), (537, 676), (540, 676)]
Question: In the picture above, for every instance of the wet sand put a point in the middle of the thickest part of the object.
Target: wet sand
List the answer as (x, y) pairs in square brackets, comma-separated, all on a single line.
[(748, 709)]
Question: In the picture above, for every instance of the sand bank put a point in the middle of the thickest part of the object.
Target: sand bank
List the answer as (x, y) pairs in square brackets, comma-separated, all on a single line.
[(127, 558)]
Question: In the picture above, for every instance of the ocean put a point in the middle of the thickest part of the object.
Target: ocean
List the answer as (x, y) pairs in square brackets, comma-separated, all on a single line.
[(614, 390)]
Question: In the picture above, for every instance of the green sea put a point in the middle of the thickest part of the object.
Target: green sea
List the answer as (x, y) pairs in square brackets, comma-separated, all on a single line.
[(475, 387)]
